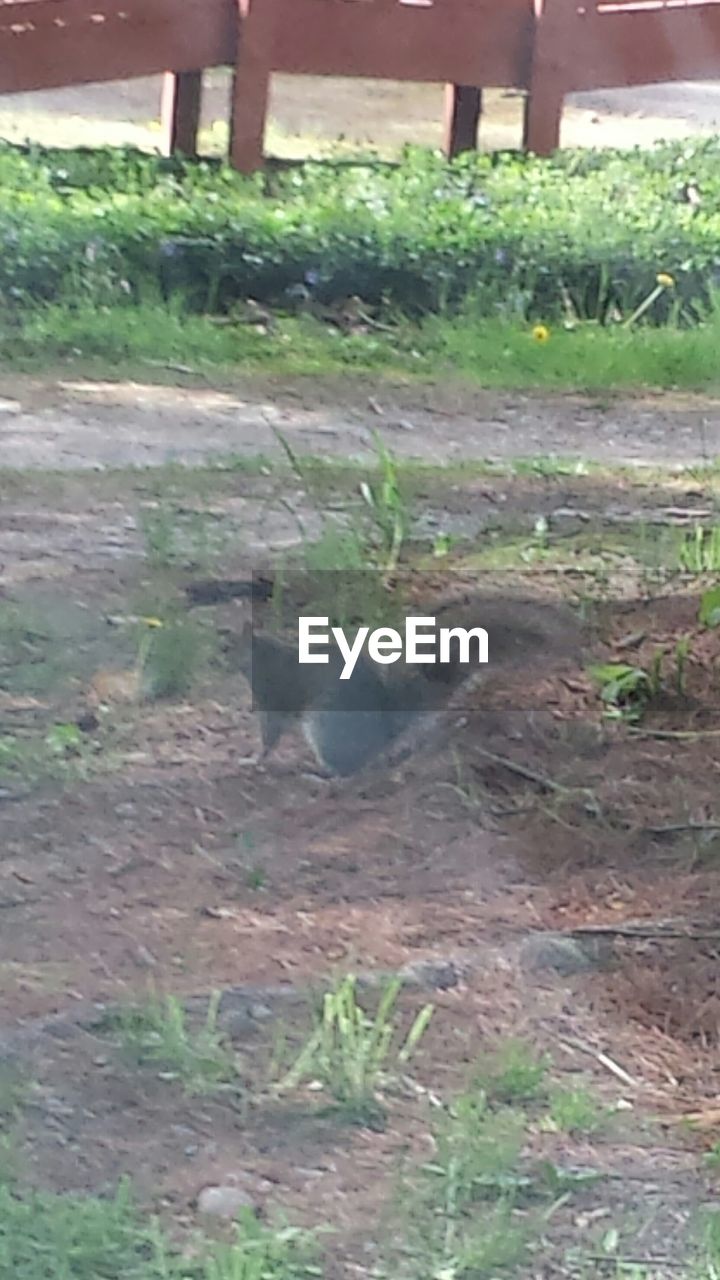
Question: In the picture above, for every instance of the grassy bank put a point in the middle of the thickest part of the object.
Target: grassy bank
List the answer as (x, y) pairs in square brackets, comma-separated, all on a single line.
[(504, 270), (583, 232), (157, 341)]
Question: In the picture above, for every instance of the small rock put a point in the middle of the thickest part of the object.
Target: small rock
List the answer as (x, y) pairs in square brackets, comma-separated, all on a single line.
[(571, 513), (55, 1106), (62, 1030), (243, 1019), (223, 1202), (560, 953), (182, 1130), (237, 1023), (439, 974), (143, 957), (260, 1012)]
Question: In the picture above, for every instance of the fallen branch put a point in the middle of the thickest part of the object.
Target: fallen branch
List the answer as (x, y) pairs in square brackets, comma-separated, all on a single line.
[(671, 828), (605, 1061), (671, 932), (697, 1119), (633, 1260), (681, 735), (522, 771)]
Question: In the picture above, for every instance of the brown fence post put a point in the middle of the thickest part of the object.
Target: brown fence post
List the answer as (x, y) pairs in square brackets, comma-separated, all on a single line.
[(180, 111), (251, 84), (547, 83), (543, 116), (463, 108)]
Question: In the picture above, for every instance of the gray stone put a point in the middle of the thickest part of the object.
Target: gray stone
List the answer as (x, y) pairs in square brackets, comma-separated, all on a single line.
[(561, 954), (223, 1201), (439, 975), (260, 1012)]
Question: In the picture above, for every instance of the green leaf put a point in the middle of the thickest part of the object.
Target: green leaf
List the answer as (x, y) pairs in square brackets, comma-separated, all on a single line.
[(709, 613)]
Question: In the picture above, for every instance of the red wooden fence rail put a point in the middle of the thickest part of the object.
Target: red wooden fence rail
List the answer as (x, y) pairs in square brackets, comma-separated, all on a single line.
[(462, 42), (547, 48), (601, 44)]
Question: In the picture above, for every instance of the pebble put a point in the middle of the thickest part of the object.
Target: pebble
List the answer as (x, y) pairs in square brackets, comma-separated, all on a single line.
[(223, 1201), (260, 1012), (437, 974), (560, 953), (243, 1020)]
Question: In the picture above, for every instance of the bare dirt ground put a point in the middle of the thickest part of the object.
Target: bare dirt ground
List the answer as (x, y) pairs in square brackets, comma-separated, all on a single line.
[(70, 424), (148, 856)]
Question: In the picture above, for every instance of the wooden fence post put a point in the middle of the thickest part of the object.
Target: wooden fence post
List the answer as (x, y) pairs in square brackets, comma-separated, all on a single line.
[(463, 108), (180, 111), (543, 115), (547, 83), (251, 84)]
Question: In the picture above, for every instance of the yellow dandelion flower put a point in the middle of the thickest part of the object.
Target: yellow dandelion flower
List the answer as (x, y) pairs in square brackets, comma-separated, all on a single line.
[(541, 333), (665, 280)]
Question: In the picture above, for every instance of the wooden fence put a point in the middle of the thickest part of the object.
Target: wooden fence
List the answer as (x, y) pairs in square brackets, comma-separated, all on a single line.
[(547, 48), (604, 44)]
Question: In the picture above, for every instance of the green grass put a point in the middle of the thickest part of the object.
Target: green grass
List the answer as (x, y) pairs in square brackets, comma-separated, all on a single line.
[(458, 1210), (172, 534), (153, 342), (175, 655), (13, 1091), (421, 482), (710, 1238), (142, 264), (352, 1055), (576, 1111), (44, 1236), (645, 550), (157, 1034), (31, 650), (512, 1073), (700, 550), (59, 753)]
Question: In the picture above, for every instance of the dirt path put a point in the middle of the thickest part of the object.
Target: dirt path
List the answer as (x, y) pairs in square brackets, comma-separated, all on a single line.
[(70, 425)]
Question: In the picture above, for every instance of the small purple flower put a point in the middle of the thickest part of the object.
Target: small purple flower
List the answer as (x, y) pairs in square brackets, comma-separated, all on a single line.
[(500, 257), (297, 293), (311, 278)]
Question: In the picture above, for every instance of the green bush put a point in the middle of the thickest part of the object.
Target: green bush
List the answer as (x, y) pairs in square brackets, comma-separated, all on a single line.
[(512, 233)]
